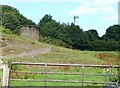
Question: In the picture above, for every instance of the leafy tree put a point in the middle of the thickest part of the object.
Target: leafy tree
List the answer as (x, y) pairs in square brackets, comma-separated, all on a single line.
[(112, 33), (50, 29), (44, 20), (11, 18), (66, 35), (77, 37), (91, 35)]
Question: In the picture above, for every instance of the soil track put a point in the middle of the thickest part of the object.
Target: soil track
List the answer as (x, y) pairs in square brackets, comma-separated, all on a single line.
[(30, 53)]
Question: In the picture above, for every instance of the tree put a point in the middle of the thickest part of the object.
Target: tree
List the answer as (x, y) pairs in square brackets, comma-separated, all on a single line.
[(101, 45), (44, 20), (50, 29), (11, 18), (112, 33), (91, 35)]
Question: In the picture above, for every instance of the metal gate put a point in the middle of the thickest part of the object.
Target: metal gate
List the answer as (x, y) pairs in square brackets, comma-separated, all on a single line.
[(63, 69)]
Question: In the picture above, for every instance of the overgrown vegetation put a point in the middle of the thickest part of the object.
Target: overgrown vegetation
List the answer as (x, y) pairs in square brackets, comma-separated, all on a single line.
[(5, 31), (74, 36), (67, 35), (17, 45), (54, 42), (11, 18), (64, 35)]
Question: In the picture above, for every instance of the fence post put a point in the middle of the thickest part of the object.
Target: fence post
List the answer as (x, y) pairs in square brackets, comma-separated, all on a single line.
[(82, 76), (5, 80), (109, 72), (46, 75)]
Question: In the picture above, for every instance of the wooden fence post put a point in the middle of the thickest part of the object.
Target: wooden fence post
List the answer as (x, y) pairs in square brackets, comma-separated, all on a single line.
[(5, 80)]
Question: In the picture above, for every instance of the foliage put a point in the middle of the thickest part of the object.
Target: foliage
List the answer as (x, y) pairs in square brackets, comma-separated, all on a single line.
[(91, 35), (17, 30), (4, 30), (54, 42), (45, 19), (11, 18), (68, 35), (112, 33), (74, 35), (101, 45)]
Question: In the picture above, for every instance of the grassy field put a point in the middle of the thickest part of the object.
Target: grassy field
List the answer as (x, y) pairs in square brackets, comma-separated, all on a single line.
[(64, 77), (13, 45)]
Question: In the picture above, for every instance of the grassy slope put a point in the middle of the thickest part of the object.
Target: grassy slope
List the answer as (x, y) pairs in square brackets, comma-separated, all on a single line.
[(13, 45)]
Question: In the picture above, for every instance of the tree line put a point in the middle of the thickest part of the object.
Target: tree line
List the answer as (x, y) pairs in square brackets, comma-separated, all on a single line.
[(62, 34)]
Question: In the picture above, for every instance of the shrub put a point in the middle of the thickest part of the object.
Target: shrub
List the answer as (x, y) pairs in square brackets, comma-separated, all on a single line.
[(4, 30), (54, 42)]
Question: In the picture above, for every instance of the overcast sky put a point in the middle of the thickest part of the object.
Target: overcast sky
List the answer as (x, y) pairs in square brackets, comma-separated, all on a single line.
[(93, 14)]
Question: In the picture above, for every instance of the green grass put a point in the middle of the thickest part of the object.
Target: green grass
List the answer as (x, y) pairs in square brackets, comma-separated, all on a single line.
[(16, 45), (63, 55), (59, 55), (66, 56), (1, 76), (62, 76)]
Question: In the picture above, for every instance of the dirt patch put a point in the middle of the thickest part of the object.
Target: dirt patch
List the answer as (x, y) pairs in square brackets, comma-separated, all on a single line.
[(30, 53)]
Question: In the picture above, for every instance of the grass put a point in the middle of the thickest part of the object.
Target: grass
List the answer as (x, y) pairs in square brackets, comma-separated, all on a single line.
[(1, 76), (63, 55), (15, 45), (43, 77)]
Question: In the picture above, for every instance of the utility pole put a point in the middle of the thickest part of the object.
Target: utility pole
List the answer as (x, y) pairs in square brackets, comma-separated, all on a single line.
[(76, 19)]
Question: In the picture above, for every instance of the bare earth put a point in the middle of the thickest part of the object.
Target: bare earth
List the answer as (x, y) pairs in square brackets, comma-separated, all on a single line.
[(21, 48), (29, 53)]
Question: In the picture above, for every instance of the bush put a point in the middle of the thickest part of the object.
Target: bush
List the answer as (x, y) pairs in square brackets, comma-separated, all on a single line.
[(54, 42), (4, 30)]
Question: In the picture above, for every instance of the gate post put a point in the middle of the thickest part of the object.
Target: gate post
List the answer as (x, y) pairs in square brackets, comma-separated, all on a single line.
[(5, 81)]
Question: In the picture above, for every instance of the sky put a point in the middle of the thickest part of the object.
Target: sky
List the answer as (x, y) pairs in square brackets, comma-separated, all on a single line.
[(93, 14)]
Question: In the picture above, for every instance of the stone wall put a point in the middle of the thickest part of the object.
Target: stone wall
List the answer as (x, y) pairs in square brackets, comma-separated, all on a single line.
[(29, 32)]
